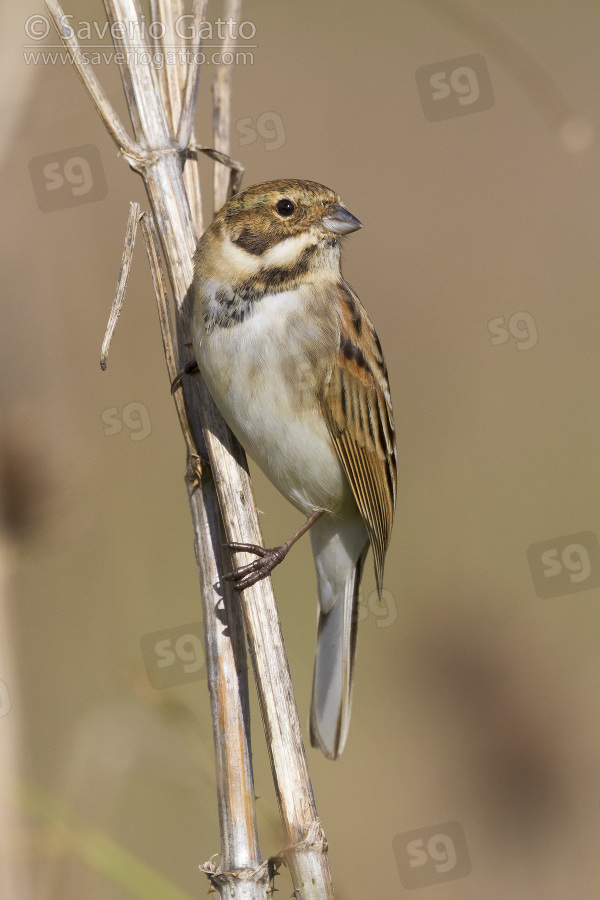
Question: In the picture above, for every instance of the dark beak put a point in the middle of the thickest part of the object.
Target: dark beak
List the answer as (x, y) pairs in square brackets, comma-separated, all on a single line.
[(340, 221)]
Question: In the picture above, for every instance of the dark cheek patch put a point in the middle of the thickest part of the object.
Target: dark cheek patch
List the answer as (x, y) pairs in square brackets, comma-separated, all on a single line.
[(255, 242)]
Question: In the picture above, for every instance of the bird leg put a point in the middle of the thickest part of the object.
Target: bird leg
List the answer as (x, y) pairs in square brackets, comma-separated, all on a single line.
[(245, 576)]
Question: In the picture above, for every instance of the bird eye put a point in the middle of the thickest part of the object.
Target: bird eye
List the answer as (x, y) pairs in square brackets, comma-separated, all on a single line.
[(285, 208)]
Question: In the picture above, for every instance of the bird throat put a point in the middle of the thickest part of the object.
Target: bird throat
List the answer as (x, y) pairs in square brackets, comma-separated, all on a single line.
[(229, 304)]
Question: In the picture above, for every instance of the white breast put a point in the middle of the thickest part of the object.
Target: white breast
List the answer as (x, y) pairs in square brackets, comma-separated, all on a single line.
[(265, 385)]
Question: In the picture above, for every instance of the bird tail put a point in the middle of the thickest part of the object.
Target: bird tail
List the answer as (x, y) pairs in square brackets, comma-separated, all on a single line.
[(339, 548)]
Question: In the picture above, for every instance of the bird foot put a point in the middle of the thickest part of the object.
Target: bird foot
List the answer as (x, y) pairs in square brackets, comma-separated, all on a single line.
[(245, 576)]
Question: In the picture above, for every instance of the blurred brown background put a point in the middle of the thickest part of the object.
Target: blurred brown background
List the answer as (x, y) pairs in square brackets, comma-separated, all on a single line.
[(474, 749)]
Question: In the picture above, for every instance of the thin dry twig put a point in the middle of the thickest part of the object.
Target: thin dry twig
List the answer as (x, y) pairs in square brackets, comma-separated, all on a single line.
[(166, 330), (172, 81), (190, 93), (130, 149), (164, 316), (222, 109), (167, 12), (237, 169), (132, 222)]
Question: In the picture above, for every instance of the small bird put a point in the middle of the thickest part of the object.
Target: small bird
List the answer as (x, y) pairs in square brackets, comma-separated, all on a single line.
[(297, 371)]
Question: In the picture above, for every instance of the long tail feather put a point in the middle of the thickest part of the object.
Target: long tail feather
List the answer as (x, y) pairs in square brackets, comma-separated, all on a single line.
[(339, 549)]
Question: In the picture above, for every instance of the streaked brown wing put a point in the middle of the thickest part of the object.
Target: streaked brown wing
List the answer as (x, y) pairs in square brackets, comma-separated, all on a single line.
[(358, 411)]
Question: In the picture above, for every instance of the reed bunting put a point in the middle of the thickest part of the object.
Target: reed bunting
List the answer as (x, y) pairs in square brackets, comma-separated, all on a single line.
[(297, 371)]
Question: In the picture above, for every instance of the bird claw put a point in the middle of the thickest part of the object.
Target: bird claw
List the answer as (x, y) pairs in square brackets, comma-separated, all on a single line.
[(189, 369), (245, 576)]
